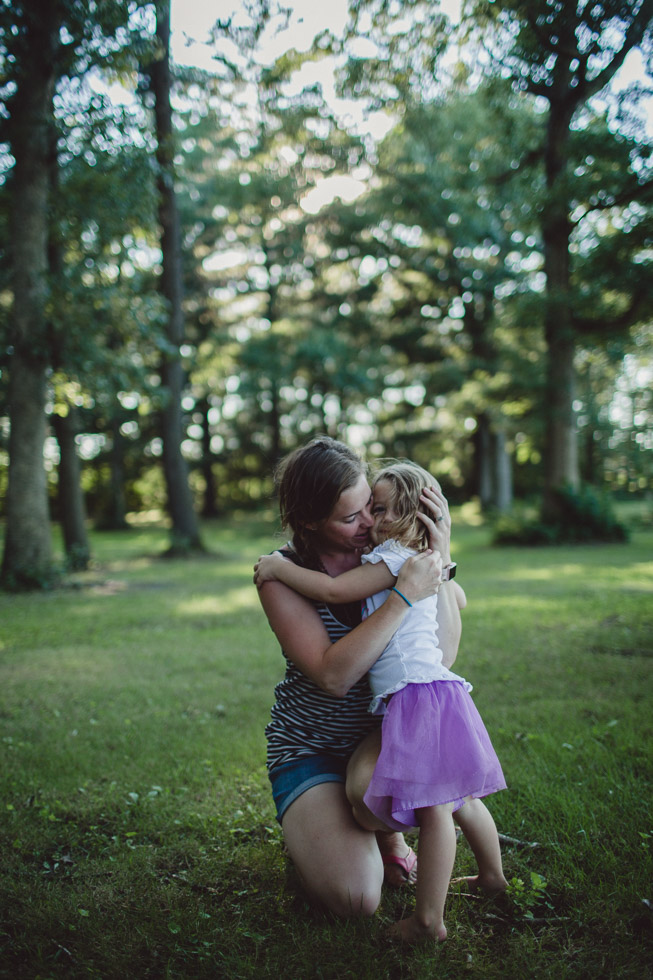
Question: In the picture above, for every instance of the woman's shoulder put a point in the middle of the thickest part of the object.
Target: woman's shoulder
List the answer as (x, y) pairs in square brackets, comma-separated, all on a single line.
[(289, 552)]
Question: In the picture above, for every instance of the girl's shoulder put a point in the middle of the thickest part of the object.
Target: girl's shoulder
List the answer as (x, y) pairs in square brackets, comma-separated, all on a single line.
[(392, 547), (391, 552)]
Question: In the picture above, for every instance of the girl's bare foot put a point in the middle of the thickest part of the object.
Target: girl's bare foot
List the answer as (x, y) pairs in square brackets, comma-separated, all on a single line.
[(393, 846), (490, 884), (411, 930)]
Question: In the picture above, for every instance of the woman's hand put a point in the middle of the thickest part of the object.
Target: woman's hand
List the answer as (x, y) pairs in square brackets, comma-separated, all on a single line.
[(420, 576), (437, 520), (266, 568)]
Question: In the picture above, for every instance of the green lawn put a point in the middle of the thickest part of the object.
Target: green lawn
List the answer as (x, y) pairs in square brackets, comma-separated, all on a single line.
[(138, 835)]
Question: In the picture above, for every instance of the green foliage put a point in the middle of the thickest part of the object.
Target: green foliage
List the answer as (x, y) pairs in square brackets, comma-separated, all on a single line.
[(588, 515), (582, 516), (525, 896), (396, 319)]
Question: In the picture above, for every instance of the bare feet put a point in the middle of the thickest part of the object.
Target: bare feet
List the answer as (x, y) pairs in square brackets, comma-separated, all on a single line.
[(411, 930), (399, 860), (490, 884)]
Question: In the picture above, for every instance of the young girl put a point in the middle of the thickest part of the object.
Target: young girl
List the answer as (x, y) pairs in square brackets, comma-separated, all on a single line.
[(436, 757)]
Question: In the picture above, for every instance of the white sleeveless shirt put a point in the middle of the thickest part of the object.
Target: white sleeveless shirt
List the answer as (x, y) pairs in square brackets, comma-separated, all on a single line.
[(413, 655)]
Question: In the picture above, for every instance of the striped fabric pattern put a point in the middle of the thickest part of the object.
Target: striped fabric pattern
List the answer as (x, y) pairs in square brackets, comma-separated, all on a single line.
[(306, 720)]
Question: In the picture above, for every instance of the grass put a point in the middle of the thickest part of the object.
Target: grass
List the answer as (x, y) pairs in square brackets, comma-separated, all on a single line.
[(138, 835)]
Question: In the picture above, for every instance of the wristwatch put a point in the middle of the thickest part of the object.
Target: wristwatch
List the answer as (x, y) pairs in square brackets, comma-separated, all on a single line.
[(449, 571)]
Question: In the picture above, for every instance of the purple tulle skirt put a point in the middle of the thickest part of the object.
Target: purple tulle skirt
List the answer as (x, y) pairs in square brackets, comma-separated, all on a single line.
[(435, 749)]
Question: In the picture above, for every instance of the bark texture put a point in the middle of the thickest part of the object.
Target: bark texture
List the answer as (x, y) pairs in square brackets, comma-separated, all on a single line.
[(185, 532), (72, 510), (27, 558)]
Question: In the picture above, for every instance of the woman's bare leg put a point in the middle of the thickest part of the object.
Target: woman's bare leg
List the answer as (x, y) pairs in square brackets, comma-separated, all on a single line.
[(339, 862), (359, 772), (477, 824)]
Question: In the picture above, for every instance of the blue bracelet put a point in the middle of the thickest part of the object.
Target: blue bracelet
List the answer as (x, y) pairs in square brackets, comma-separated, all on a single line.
[(402, 596)]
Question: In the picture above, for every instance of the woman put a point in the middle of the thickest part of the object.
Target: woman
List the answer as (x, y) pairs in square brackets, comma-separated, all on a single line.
[(322, 742)]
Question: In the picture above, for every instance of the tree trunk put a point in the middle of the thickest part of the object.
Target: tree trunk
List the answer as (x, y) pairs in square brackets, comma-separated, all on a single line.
[(482, 443), (502, 473), (72, 511), (560, 449), (185, 533), (493, 466), (116, 517), (210, 501), (27, 559), (275, 378), (275, 422)]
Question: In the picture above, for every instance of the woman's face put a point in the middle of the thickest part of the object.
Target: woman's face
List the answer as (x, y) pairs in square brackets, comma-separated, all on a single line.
[(348, 526)]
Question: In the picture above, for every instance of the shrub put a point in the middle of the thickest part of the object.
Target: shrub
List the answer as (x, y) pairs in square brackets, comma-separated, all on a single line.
[(583, 516)]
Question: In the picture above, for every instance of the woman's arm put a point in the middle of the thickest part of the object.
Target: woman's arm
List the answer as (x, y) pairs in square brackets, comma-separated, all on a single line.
[(451, 597), (336, 667), (357, 583)]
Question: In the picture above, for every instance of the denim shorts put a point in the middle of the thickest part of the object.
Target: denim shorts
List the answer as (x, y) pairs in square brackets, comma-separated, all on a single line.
[(292, 779)]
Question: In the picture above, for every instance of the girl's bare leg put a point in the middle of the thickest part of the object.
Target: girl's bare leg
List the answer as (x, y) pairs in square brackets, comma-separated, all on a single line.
[(477, 824), (437, 850), (339, 862), (359, 772)]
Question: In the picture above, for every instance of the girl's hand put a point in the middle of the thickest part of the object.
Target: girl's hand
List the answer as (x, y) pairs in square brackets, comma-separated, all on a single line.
[(438, 521), (266, 568), (420, 576)]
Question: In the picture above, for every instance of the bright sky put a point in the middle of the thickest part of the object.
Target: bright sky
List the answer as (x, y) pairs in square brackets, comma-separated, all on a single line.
[(193, 19)]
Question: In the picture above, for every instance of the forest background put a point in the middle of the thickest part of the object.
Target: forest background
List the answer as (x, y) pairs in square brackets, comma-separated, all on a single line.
[(443, 253)]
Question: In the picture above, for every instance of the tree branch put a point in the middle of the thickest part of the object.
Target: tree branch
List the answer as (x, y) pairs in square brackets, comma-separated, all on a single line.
[(634, 35), (588, 326), (634, 191)]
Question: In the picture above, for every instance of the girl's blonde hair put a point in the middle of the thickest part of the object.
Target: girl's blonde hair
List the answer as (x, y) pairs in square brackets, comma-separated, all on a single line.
[(406, 480)]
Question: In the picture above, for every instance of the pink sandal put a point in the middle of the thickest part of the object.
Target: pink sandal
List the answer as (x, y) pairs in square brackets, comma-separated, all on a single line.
[(405, 863)]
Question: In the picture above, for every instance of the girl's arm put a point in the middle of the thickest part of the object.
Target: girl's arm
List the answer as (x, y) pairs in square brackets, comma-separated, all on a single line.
[(357, 583), (336, 667)]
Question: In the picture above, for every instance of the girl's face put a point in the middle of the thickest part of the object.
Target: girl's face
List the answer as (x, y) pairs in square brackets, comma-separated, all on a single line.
[(348, 526), (382, 510)]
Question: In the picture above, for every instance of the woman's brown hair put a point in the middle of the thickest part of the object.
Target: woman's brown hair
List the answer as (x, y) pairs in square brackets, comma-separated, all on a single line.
[(309, 483)]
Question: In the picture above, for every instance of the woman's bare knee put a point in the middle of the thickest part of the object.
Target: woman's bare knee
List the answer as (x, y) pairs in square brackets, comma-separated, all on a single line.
[(353, 903), (348, 894), (338, 862)]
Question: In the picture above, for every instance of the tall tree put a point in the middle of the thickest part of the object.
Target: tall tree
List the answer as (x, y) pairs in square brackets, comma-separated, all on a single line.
[(71, 505), (185, 531), (31, 40), (41, 47), (565, 54), (106, 312), (72, 509), (257, 305), (462, 230)]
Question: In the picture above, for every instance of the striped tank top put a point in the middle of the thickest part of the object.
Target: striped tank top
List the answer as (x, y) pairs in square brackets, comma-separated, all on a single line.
[(305, 720)]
